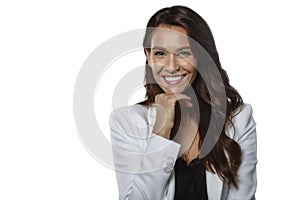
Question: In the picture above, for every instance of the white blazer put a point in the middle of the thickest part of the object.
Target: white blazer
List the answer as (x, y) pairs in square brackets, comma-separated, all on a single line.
[(144, 161)]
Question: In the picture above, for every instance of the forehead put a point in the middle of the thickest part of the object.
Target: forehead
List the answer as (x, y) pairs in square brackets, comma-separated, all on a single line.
[(169, 37)]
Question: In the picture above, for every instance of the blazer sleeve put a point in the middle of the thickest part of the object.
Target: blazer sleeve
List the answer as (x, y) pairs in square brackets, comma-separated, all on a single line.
[(245, 135), (143, 161)]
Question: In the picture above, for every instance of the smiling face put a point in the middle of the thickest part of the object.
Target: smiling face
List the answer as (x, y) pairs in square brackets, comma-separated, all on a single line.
[(171, 59)]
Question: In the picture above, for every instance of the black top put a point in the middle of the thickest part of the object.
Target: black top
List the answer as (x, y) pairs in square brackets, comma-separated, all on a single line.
[(190, 181)]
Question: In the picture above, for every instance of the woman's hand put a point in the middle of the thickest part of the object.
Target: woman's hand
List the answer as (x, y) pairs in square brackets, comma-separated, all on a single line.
[(165, 112)]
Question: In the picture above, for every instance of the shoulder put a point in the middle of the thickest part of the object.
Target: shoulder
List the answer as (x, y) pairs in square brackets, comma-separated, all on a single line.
[(243, 123), (132, 110), (133, 114), (243, 113)]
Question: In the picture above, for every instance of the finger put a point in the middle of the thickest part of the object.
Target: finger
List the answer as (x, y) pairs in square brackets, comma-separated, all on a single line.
[(172, 98), (187, 103), (182, 97)]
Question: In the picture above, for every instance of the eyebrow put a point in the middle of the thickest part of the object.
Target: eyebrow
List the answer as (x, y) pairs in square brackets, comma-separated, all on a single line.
[(179, 49)]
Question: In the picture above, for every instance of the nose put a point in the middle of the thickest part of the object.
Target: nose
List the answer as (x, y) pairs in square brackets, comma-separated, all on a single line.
[(172, 64)]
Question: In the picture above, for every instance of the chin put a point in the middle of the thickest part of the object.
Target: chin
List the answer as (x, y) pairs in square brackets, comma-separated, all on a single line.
[(174, 90)]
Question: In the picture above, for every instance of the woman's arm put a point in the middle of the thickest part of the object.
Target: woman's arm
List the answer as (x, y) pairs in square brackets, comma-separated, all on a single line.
[(143, 161), (245, 135)]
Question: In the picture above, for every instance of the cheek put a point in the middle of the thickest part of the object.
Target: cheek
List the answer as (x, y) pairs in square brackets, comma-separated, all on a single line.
[(191, 69), (188, 63), (156, 68), (193, 73)]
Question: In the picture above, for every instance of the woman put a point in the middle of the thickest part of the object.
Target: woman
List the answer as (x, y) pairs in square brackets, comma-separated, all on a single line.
[(193, 137)]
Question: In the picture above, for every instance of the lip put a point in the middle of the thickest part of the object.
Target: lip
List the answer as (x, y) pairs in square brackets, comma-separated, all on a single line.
[(173, 79)]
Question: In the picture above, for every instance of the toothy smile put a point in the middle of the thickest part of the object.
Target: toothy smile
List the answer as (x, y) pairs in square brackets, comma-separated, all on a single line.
[(173, 79)]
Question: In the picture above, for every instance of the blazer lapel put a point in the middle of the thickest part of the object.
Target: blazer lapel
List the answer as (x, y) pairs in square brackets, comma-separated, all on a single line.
[(214, 186)]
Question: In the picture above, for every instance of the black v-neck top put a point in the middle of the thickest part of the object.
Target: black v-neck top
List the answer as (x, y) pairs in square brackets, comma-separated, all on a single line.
[(190, 181)]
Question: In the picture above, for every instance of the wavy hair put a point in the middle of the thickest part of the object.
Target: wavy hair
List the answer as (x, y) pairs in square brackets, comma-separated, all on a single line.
[(225, 156)]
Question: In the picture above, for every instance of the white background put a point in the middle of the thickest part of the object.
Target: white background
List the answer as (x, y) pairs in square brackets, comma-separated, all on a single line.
[(43, 45)]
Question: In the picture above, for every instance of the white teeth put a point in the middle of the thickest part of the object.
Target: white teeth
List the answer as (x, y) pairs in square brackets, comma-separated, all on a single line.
[(173, 78)]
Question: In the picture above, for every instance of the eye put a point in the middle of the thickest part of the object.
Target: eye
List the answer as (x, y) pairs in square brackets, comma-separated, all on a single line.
[(159, 53), (184, 53)]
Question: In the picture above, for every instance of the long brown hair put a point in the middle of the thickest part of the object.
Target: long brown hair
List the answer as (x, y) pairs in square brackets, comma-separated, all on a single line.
[(225, 156)]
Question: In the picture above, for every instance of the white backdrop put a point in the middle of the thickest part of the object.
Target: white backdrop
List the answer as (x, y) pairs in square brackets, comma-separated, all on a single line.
[(44, 44)]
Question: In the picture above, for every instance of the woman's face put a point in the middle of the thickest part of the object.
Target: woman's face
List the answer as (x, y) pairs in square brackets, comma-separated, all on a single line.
[(171, 59)]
